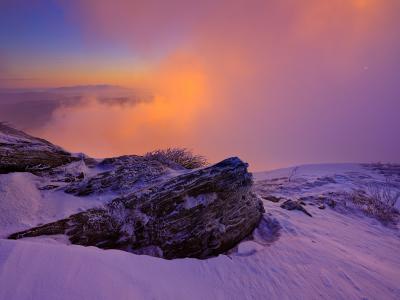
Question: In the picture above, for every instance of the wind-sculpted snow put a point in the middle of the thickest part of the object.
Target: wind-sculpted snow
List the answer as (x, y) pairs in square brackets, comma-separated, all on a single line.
[(341, 252), (329, 256), (371, 189)]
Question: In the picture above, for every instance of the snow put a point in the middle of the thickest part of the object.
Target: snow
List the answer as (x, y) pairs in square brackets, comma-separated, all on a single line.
[(314, 180), (23, 206), (329, 256), (203, 199), (9, 139), (316, 170), (13, 139)]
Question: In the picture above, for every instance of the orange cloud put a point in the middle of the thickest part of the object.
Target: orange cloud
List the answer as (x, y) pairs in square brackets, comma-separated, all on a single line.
[(179, 97), (266, 80)]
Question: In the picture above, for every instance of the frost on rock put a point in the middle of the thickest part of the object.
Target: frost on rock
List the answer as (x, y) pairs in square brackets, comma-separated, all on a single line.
[(204, 199), (154, 207), (121, 175), (200, 213), (20, 152)]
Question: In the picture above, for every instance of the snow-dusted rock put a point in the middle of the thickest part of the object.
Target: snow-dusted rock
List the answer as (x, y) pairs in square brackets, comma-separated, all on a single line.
[(20, 152), (201, 213), (295, 205), (122, 175)]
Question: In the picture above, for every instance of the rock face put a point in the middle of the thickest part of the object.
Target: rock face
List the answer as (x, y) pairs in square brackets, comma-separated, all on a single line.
[(122, 175), (161, 209), (20, 152), (200, 214)]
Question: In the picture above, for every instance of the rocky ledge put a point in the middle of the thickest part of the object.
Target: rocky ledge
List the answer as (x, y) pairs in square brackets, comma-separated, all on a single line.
[(199, 214), (171, 214), (20, 152)]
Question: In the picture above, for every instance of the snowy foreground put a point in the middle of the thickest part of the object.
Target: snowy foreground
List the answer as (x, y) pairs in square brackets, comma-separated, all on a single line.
[(331, 255)]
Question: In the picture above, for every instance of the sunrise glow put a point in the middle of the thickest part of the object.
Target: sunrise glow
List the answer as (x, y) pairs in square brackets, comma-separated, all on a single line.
[(249, 78)]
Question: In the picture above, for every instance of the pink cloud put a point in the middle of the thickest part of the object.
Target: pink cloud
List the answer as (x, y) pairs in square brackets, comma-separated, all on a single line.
[(283, 82)]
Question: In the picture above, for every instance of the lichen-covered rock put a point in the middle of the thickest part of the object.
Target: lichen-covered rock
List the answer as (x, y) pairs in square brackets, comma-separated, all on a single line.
[(20, 152), (199, 214)]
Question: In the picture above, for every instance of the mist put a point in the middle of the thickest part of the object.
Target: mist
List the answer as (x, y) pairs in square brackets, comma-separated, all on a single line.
[(277, 83)]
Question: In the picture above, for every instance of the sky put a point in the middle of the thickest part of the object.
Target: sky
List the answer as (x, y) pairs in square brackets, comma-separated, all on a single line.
[(277, 83)]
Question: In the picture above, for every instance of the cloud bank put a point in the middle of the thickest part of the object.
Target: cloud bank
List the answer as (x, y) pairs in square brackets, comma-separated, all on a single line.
[(275, 82)]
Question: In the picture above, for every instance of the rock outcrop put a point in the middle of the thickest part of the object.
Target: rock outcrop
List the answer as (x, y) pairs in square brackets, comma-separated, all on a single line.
[(200, 214), (295, 205), (122, 175), (20, 152)]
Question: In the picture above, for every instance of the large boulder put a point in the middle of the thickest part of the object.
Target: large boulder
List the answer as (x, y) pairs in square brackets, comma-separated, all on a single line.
[(20, 152), (200, 214)]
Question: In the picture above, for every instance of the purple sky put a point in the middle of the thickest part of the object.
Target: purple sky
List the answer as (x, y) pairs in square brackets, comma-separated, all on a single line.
[(275, 82)]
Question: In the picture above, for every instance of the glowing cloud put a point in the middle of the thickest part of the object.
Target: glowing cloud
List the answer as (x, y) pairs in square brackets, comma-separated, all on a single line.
[(276, 82)]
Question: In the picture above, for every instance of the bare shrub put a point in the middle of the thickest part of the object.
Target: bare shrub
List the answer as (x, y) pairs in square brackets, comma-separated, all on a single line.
[(386, 192), (378, 202), (180, 156)]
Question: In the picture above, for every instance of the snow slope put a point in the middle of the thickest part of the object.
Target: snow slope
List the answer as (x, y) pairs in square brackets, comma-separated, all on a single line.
[(329, 256), (23, 205), (317, 179)]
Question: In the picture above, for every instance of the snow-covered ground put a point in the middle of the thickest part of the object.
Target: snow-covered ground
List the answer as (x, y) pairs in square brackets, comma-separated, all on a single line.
[(23, 205), (332, 255)]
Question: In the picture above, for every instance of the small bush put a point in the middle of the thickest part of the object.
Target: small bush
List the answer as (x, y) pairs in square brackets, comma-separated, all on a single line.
[(386, 192), (375, 205), (180, 156)]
